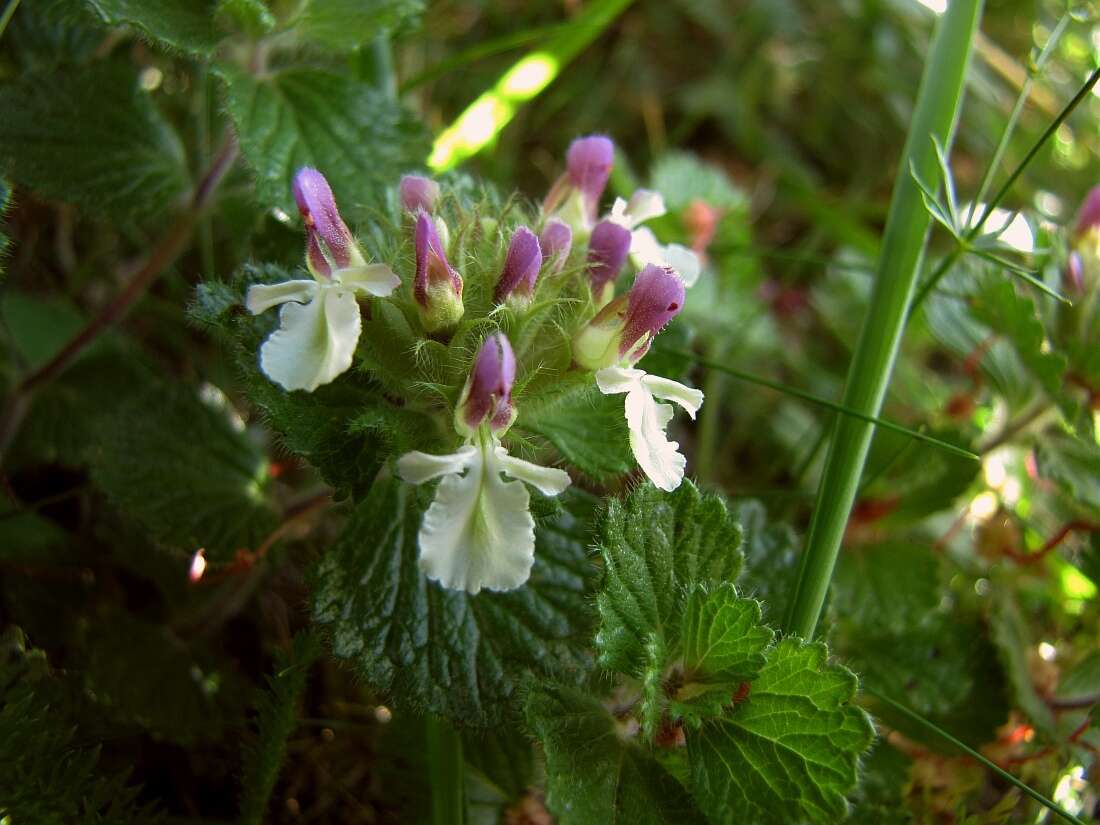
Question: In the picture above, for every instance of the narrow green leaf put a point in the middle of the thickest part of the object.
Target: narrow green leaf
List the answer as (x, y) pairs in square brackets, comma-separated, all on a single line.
[(90, 135), (359, 138), (440, 650), (790, 750), (182, 25), (935, 116), (595, 769)]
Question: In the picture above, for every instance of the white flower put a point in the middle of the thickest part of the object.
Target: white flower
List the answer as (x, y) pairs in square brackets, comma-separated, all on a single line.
[(478, 531), (318, 324), (644, 246), (646, 419)]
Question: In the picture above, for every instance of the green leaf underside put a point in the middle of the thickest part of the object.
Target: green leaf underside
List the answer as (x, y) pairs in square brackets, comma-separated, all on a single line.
[(790, 750), (90, 135), (358, 138), (595, 773), (654, 545), (183, 25), (205, 487), (440, 650)]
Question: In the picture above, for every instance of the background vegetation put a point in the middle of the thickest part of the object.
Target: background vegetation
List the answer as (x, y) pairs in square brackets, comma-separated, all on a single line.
[(147, 148)]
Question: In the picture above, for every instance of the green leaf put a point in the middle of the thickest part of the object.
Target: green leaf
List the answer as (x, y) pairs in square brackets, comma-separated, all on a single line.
[(654, 545), (186, 473), (360, 139), (90, 135), (788, 752), (589, 429), (277, 716), (1013, 641), (1000, 306), (348, 24), (723, 645), (891, 624), (1074, 464), (683, 178), (771, 558), (183, 25), (880, 798), (440, 650), (595, 770)]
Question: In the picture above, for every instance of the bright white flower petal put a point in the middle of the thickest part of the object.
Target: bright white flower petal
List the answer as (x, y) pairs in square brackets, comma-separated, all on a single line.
[(373, 279), (547, 480), (314, 342), (646, 419), (478, 532), (645, 250), (263, 297), (417, 467), (689, 398)]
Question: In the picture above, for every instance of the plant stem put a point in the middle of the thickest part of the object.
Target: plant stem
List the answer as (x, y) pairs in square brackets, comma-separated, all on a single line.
[(1014, 117), (907, 225), (9, 12), (445, 772), (384, 76), (972, 233), (170, 246), (1005, 775)]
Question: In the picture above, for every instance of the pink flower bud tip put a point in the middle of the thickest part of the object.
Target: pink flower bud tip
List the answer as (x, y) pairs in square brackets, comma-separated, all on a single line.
[(556, 241), (521, 267), (418, 192), (607, 252), (589, 161), (1088, 217), (437, 287), (329, 243), (489, 389)]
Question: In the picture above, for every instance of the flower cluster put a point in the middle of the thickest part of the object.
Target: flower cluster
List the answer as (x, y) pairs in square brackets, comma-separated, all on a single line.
[(499, 297)]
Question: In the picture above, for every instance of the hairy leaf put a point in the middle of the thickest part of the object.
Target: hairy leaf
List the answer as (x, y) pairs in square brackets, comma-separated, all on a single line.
[(277, 708), (723, 645), (90, 135), (183, 25), (1074, 465), (595, 772), (790, 750), (654, 545), (771, 558), (361, 140), (588, 429), (442, 650)]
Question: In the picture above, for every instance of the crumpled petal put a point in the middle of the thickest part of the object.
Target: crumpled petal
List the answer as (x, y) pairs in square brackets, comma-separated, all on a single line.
[(549, 481), (478, 531), (417, 467), (373, 279), (646, 420), (314, 342), (262, 297)]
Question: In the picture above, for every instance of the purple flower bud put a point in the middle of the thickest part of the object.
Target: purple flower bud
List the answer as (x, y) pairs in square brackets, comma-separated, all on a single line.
[(607, 251), (418, 192), (1089, 216), (488, 391), (589, 162), (556, 241), (623, 330), (1074, 276), (437, 287), (655, 299), (521, 267), (330, 243)]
